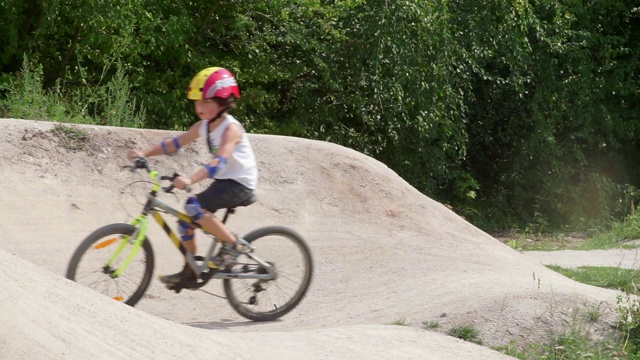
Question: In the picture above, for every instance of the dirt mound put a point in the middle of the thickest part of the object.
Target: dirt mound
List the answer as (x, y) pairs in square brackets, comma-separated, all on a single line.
[(384, 252)]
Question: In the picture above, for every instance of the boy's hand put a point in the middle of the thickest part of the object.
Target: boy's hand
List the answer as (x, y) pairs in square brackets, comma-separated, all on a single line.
[(181, 182), (133, 154)]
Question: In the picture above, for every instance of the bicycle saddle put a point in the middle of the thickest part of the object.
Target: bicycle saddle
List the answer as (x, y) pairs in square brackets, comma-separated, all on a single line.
[(249, 201)]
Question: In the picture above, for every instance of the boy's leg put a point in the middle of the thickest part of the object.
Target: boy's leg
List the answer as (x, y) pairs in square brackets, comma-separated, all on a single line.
[(212, 225), (228, 252), (222, 194), (187, 236), (191, 246)]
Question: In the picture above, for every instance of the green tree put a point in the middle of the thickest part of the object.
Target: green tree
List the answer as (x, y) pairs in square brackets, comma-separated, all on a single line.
[(555, 136), (510, 111)]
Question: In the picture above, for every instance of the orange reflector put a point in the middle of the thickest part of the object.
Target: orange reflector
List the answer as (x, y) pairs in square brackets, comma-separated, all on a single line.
[(105, 243), (118, 298)]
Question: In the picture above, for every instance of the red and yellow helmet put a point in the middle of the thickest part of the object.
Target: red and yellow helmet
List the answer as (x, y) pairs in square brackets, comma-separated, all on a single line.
[(213, 82)]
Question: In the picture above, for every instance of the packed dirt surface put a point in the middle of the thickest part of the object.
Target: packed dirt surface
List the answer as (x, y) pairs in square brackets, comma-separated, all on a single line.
[(384, 253)]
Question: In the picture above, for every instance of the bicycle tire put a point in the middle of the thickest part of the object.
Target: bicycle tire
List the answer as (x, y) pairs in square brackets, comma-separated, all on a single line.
[(103, 238), (242, 294)]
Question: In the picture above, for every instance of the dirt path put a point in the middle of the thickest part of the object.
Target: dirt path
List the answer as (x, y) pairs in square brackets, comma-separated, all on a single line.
[(384, 253)]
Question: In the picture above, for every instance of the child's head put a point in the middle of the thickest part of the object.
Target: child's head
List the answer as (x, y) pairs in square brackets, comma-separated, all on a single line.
[(213, 86)]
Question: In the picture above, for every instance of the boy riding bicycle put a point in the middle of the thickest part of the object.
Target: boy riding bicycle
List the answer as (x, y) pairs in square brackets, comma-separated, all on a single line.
[(233, 166)]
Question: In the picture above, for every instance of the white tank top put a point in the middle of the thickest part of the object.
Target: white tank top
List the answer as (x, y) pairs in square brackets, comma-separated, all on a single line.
[(241, 165)]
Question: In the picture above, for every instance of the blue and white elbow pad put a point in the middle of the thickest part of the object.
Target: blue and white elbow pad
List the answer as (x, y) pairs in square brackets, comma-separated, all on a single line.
[(214, 169), (176, 144)]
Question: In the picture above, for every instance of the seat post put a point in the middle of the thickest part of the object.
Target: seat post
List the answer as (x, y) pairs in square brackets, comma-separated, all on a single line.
[(232, 210), (227, 213)]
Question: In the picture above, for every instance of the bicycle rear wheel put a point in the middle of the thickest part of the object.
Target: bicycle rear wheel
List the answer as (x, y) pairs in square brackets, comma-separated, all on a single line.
[(260, 300), (90, 264)]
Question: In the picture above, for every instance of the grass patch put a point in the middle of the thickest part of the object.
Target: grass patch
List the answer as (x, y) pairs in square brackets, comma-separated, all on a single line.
[(629, 309), (527, 241), (575, 343), (466, 332), (618, 235), (601, 239), (616, 278), (614, 235), (430, 324), (72, 138), (594, 315), (570, 346), (400, 322)]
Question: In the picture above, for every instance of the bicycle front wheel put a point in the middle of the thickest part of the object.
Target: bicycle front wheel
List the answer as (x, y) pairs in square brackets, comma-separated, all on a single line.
[(288, 254), (96, 262)]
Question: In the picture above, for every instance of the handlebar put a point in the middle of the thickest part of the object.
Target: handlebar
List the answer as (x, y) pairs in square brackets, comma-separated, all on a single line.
[(142, 163)]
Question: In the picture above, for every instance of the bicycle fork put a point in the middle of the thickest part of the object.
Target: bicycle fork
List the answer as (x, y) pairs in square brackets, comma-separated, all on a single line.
[(139, 235)]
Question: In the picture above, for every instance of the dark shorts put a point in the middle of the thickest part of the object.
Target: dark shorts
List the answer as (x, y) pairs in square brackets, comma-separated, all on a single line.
[(223, 194)]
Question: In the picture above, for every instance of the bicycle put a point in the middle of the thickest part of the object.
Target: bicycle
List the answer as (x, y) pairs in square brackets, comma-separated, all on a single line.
[(256, 288)]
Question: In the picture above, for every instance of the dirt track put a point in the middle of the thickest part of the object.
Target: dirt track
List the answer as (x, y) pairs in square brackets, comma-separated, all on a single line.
[(384, 253)]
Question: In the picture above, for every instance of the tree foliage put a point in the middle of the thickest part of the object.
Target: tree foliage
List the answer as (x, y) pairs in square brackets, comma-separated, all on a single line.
[(508, 110), (560, 124)]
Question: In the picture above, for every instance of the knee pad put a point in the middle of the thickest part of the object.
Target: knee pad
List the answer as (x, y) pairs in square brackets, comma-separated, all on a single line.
[(193, 208), (185, 230)]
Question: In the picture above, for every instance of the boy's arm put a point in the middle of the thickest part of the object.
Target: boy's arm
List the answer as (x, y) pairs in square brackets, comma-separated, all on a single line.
[(167, 146), (231, 136)]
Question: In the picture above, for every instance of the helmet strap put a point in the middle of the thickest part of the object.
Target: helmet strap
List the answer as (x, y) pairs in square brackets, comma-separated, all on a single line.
[(224, 110), (214, 119)]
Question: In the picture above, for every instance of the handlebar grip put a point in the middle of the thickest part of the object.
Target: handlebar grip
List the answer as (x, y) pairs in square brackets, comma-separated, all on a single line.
[(170, 188), (140, 163)]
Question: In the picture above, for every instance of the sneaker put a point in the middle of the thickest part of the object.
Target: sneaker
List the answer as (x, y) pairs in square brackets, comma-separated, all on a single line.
[(227, 255), (186, 274)]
